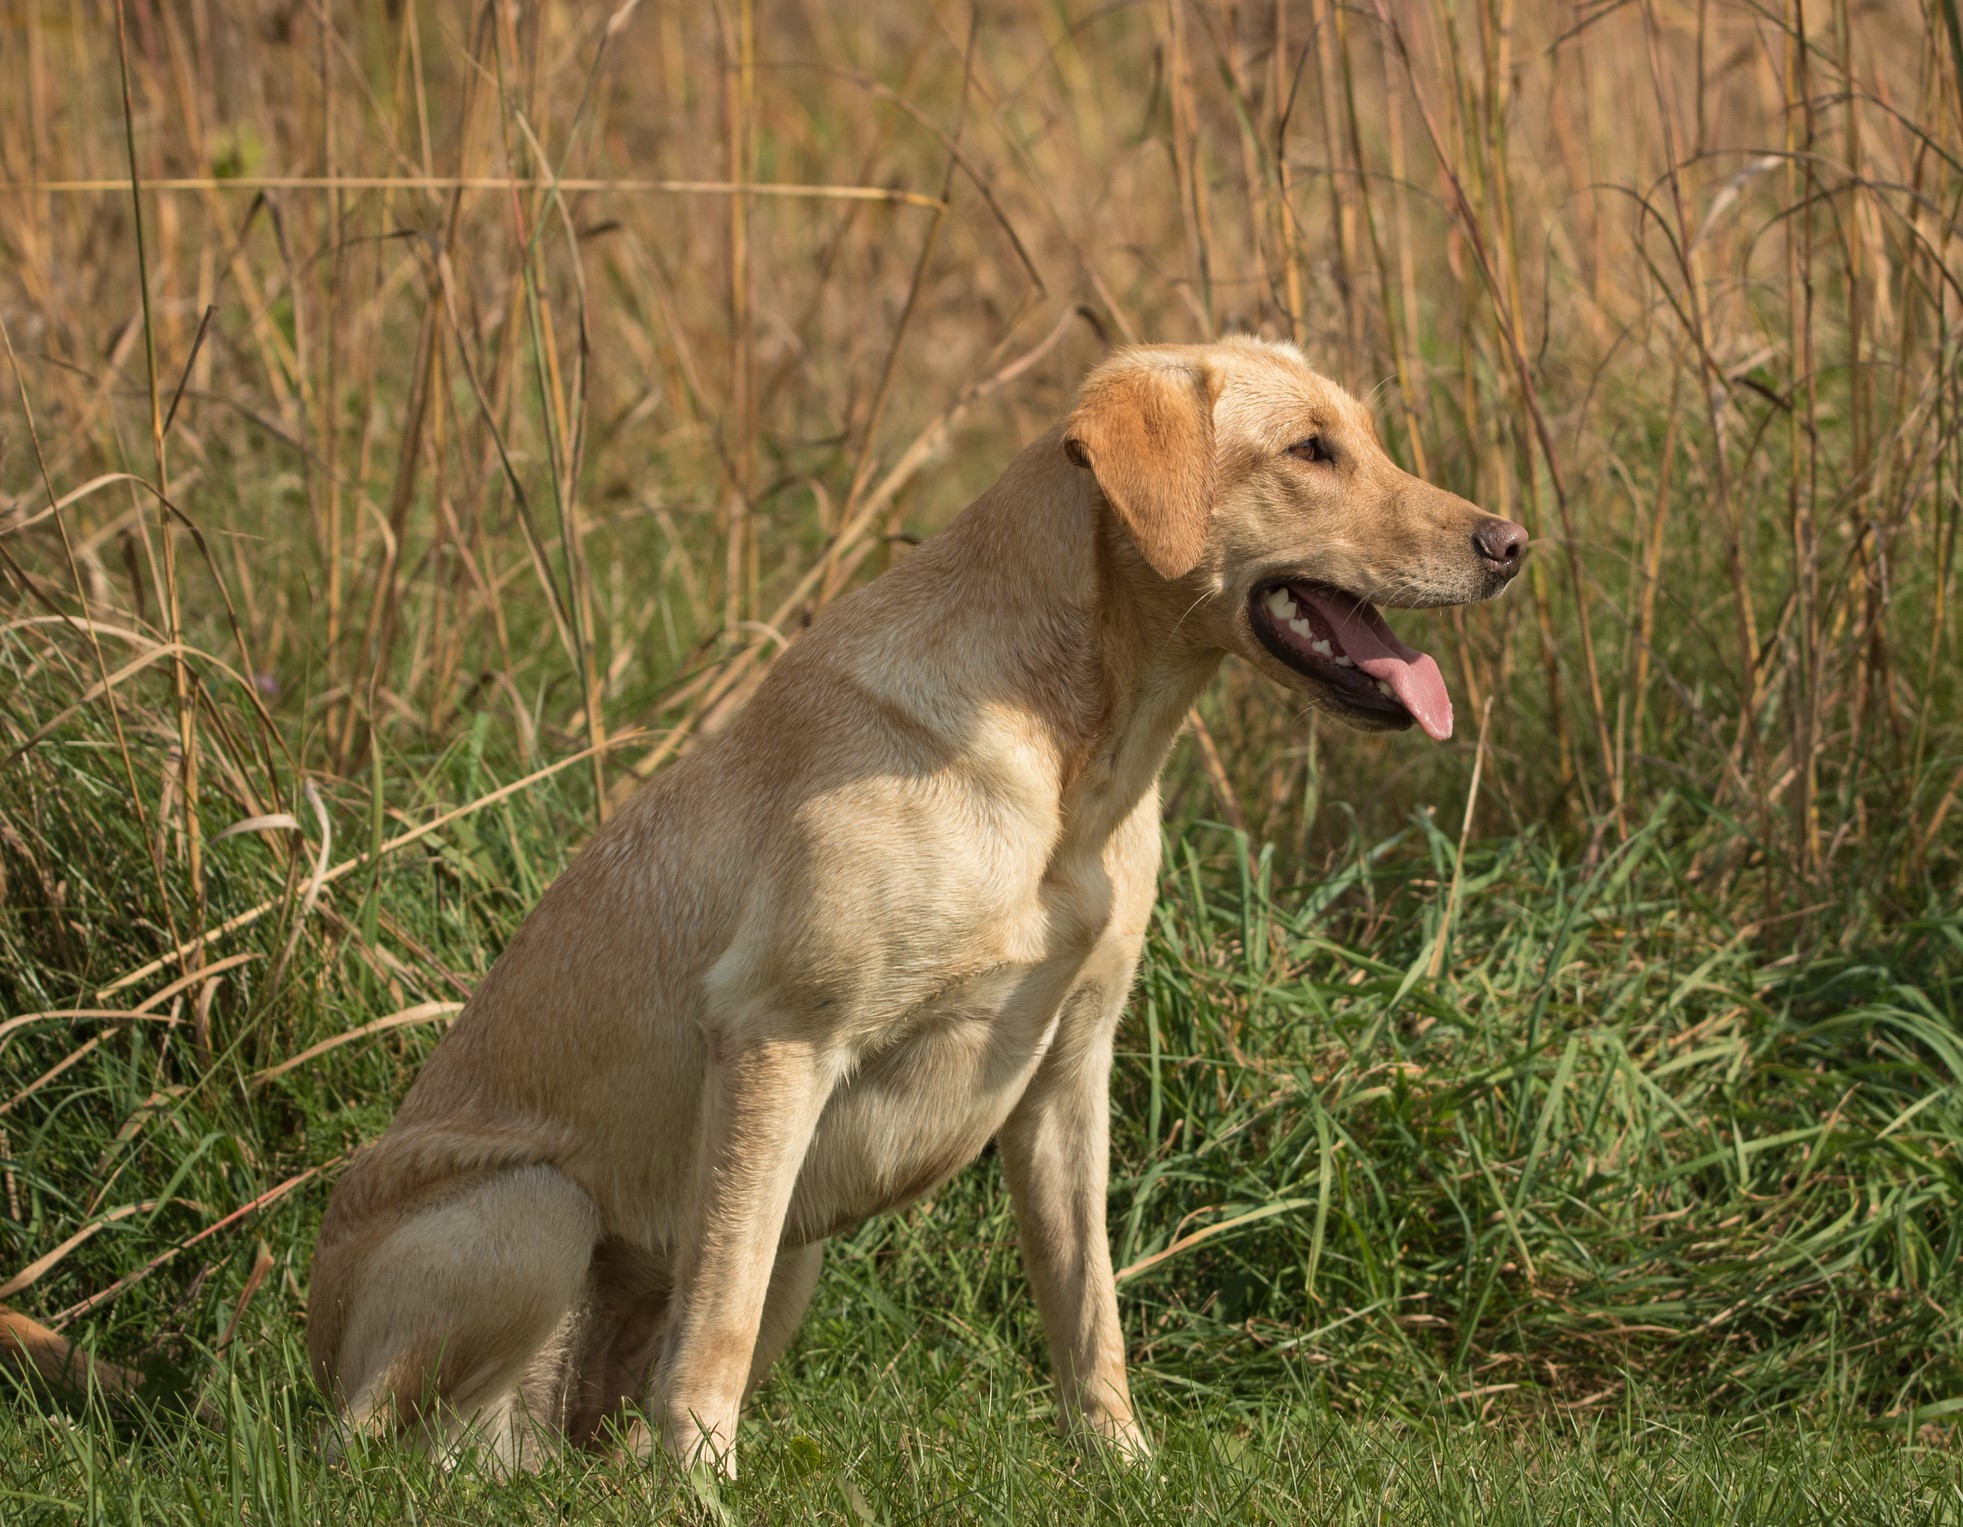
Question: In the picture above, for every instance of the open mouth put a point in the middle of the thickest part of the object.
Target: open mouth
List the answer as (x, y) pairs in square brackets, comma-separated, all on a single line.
[(1340, 640)]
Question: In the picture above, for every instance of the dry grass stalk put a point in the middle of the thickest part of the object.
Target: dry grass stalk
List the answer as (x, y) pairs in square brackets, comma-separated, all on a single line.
[(572, 450)]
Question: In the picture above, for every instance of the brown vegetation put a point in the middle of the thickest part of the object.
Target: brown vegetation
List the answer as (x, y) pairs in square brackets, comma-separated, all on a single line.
[(413, 433)]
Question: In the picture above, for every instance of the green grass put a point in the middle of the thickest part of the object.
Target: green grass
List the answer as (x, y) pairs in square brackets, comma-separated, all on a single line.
[(968, 1444), (1624, 1211), (1632, 1196)]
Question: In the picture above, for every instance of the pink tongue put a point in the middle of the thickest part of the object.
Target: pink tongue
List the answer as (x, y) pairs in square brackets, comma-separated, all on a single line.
[(1412, 675)]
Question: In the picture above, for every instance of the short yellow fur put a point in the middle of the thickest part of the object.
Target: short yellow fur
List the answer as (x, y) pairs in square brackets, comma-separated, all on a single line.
[(889, 912)]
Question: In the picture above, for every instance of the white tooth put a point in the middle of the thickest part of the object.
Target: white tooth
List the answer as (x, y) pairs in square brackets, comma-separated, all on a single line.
[(1389, 693), (1323, 647), (1343, 661), (1280, 605), (1299, 627)]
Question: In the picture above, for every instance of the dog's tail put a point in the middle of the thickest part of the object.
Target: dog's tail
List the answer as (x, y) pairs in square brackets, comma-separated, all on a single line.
[(34, 1351), (45, 1357)]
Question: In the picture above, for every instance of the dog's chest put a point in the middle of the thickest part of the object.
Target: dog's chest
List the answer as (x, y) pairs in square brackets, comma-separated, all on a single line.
[(925, 1103), (990, 1023)]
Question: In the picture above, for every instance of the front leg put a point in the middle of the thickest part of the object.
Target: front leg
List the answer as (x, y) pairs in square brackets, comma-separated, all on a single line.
[(760, 1108), (1055, 1150)]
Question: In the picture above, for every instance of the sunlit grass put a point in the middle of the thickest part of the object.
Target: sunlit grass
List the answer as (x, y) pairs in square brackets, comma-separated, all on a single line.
[(1627, 1190)]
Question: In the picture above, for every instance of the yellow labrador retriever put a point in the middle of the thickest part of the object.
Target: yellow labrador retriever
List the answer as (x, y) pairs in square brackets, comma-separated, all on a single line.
[(888, 914)]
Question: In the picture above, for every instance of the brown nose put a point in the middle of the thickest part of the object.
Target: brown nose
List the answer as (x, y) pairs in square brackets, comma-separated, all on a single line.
[(1500, 544)]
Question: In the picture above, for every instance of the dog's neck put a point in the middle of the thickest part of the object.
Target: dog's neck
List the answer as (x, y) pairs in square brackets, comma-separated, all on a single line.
[(1101, 645)]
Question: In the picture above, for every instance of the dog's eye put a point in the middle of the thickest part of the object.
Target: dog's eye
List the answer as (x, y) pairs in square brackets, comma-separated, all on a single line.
[(1311, 449)]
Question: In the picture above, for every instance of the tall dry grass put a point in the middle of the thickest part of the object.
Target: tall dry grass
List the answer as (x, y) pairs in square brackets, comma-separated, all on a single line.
[(423, 417), (382, 366)]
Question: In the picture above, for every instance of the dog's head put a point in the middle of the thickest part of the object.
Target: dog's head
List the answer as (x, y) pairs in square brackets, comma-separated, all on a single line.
[(1262, 491)]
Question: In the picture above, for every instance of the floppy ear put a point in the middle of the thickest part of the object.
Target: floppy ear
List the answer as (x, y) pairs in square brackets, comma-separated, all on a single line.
[(1145, 431)]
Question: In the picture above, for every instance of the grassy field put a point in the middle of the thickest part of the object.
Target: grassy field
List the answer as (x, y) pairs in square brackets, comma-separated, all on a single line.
[(1668, 1232), (1559, 1125)]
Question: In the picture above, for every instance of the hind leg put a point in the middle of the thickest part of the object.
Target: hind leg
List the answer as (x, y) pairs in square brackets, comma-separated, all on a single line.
[(440, 1319), (625, 1326), (792, 1281)]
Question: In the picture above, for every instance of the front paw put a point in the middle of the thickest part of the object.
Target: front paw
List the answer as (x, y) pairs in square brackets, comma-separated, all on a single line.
[(1121, 1433), (700, 1439)]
